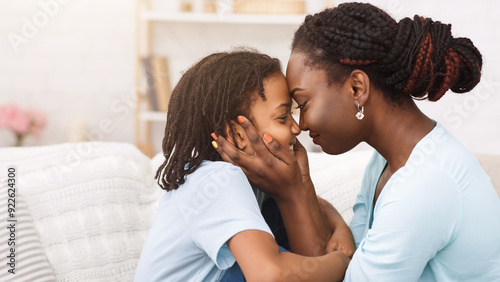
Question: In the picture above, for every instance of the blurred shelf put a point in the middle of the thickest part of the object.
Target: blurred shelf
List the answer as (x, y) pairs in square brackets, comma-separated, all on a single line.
[(146, 18), (226, 18), (153, 116)]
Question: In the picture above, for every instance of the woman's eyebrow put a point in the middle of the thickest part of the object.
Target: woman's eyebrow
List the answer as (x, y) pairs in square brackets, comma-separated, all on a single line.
[(295, 90)]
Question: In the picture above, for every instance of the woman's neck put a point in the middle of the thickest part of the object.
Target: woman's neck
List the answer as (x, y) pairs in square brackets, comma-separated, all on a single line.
[(396, 130)]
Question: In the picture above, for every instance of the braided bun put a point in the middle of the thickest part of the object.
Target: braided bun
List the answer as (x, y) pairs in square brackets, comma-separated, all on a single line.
[(416, 57)]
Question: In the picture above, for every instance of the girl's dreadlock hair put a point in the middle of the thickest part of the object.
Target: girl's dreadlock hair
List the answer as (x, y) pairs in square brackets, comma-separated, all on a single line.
[(211, 94), (416, 57)]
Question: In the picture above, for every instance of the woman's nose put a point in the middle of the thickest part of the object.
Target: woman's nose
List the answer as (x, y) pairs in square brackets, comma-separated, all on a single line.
[(302, 123)]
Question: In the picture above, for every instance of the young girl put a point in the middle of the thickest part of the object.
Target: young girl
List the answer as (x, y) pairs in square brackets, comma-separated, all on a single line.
[(209, 216)]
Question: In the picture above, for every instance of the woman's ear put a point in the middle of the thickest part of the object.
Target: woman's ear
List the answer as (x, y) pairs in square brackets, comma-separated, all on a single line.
[(360, 84), (238, 140)]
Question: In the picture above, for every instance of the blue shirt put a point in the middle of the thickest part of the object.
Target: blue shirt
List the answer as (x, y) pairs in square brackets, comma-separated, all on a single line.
[(436, 219), (187, 241)]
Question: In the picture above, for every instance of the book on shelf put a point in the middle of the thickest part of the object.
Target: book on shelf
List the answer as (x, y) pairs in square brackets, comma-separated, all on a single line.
[(158, 82)]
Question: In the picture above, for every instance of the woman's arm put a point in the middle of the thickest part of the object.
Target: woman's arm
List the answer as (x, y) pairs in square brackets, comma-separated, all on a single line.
[(324, 231), (300, 225), (261, 260), (326, 218)]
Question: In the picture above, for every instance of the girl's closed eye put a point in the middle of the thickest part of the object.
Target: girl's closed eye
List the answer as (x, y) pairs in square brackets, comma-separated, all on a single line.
[(283, 118)]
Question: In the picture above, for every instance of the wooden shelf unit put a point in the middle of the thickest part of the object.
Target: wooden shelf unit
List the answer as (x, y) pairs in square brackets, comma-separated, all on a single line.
[(214, 18)]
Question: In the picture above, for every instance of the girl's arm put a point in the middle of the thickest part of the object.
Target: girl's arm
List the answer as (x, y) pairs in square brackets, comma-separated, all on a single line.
[(341, 239), (261, 260)]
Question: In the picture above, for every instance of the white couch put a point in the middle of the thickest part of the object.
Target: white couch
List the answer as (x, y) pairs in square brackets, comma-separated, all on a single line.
[(83, 210)]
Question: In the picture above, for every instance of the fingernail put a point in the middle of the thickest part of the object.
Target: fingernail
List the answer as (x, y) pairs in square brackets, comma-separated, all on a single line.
[(241, 119), (214, 136), (215, 144), (267, 137)]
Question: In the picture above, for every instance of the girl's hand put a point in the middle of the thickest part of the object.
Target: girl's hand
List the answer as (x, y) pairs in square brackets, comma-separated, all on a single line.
[(342, 241), (271, 168)]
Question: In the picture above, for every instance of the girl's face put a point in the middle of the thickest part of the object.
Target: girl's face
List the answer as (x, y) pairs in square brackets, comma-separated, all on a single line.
[(327, 111), (274, 114)]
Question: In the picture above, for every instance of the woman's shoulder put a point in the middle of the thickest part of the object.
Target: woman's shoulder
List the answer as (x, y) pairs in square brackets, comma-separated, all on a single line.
[(446, 154), (440, 156)]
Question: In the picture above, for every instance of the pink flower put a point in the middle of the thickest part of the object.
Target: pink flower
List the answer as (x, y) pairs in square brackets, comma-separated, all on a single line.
[(22, 122), (8, 112), (38, 120)]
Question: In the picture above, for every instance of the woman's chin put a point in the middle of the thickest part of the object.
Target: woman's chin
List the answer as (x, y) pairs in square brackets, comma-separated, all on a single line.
[(331, 150)]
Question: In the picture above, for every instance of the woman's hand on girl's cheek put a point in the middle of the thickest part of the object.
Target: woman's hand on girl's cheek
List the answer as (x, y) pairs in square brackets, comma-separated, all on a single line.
[(272, 168), (301, 156)]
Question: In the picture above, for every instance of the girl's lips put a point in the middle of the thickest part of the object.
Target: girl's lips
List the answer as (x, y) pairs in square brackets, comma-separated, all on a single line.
[(291, 145)]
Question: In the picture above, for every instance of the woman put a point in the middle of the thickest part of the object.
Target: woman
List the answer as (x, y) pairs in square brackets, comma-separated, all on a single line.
[(420, 214)]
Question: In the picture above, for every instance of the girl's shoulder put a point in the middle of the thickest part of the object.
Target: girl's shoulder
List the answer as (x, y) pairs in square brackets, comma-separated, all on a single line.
[(207, 168), (218, 171)]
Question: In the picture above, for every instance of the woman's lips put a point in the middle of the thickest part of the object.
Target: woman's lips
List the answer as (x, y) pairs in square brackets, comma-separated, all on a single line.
[(315, 138)]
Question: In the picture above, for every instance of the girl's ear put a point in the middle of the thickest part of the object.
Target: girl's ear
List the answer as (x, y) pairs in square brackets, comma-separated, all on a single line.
[(238, 140)]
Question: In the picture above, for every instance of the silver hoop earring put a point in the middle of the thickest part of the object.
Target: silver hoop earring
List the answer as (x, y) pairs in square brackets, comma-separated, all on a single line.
[(360, 115)]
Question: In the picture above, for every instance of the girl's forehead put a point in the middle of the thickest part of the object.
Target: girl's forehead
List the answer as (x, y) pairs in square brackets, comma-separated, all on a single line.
[(276, 87)]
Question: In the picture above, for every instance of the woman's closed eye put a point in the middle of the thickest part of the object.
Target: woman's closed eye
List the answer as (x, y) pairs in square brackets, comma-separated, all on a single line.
[(300, 106)]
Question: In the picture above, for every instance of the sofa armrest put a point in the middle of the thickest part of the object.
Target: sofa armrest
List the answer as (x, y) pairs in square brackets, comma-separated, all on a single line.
[(491, 165), (337, 179)]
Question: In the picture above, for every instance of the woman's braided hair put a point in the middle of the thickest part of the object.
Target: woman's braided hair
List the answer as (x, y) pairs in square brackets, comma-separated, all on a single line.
[(416, 57), (211, 94)]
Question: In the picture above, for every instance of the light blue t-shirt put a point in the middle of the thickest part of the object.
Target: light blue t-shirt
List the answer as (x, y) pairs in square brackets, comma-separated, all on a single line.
[(436, 219), (187, 241)]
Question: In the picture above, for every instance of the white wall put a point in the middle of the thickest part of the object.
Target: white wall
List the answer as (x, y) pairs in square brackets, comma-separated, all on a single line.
[(80, 64), (74, 66)]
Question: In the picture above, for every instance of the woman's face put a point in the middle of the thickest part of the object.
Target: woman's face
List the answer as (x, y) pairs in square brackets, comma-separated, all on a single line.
[(274, 114), (327, 111)]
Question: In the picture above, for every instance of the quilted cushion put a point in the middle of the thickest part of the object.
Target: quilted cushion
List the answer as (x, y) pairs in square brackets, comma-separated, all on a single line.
[(92, 205)]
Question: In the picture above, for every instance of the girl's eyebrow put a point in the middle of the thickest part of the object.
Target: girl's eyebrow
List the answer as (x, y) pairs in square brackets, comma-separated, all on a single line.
[(286, 105), (295, 90)]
